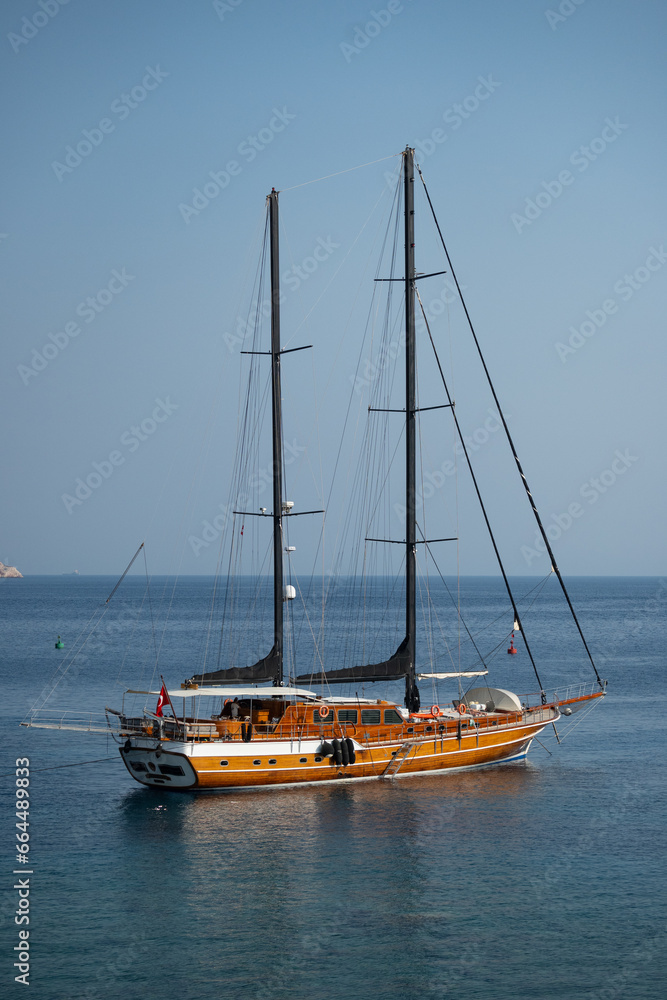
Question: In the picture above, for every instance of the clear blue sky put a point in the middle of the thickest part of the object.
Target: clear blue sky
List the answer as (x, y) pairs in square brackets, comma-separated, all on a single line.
[(169, 92)]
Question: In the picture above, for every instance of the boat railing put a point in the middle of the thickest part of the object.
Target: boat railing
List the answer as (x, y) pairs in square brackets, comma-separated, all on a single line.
[(572, 692), (204, 730)]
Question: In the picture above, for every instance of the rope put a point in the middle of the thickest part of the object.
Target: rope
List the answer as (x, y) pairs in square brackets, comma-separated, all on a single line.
[(338, 173), (127, 570), (511, 442), (573, 725), (57, 767), (481, 502)]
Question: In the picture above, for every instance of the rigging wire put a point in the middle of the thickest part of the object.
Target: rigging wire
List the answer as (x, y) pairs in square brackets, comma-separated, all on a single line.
[(582, 715), (125, 572), (99, 613), (481, 502), (510, 441), (58, 767), (316, 180)]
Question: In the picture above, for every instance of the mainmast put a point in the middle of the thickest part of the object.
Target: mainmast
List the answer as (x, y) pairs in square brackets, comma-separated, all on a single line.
[(412, 700), (276, 425)]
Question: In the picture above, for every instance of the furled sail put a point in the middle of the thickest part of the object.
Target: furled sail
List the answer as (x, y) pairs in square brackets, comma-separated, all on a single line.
[(266, 669), (393, 669)]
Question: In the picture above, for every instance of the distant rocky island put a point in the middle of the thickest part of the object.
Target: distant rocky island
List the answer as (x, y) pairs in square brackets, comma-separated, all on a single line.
[(9, 571)]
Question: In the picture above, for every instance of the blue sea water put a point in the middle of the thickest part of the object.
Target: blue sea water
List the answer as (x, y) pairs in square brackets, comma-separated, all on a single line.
[(542, 879)]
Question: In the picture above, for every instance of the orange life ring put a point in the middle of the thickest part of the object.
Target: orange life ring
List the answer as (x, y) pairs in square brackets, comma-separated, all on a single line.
[(462, 708), (435, 711), (325, 712)]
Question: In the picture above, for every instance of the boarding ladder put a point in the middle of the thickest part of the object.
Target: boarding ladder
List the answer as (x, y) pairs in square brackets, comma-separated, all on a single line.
[(399, 758)]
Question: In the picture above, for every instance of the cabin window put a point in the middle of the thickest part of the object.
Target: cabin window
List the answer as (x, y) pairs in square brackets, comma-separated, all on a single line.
[(391, 716), (347, 715), (273, 760), (137, 765), (323, 715), (257, 762), (429, 729), (174, 769), (318, 760), (370, 716), (304, 760), (224, 763)]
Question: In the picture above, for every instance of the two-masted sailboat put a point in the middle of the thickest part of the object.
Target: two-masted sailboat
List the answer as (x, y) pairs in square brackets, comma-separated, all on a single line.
[(243, 726)]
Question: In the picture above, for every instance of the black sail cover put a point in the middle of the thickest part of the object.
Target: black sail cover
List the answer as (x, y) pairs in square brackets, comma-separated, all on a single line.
[(265, 669), (397, 666)]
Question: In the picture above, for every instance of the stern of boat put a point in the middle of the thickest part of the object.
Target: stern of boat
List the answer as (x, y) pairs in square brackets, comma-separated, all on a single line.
[(155, 767)]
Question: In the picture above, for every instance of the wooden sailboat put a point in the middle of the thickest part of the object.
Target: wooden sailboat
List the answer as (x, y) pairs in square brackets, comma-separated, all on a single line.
[(242, 726)]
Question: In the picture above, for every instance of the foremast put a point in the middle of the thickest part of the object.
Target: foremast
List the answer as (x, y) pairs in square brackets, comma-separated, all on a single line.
[(270, 667)]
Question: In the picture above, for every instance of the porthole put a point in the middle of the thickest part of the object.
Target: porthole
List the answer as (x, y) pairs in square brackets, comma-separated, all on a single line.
[(272, 760), (304, 760), (224, 763), (317, 760), (151, 765), (429, 729), (257, 763)]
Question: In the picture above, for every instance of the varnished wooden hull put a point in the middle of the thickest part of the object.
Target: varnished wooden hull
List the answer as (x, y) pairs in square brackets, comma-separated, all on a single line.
[(264, 763)]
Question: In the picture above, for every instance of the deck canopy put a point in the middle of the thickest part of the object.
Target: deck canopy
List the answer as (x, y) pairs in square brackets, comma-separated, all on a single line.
[(273, 693)]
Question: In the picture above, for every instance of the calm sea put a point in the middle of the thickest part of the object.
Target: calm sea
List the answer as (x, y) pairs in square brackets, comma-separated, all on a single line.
[(531, 881)]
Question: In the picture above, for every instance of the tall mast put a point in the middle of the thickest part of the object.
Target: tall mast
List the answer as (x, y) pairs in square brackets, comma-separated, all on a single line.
[(276, 424), (411, 691)]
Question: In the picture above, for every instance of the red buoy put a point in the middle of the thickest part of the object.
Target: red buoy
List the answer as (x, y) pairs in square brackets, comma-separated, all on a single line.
[(512, 649)]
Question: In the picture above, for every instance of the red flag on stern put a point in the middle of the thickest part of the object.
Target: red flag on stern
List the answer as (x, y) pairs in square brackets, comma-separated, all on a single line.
[(164, 698)]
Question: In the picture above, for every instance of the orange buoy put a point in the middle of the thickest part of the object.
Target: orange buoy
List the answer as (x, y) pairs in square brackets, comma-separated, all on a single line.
[(512, 648)]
